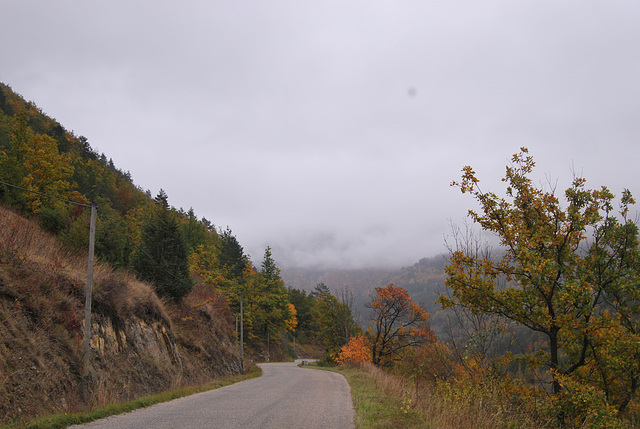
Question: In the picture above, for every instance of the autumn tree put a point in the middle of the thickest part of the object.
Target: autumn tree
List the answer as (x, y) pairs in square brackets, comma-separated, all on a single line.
[(34, 162), (162, 255), (292, 322), (569, 273), (398, 323)]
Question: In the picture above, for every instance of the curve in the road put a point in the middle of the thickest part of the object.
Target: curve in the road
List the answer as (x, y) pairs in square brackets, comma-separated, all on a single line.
[(286, 396)]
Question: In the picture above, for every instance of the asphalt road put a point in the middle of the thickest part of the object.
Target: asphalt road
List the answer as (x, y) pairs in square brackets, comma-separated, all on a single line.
[(286, 396)]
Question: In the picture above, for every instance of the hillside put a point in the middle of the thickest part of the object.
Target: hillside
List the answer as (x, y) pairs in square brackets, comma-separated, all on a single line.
[(140, 344)]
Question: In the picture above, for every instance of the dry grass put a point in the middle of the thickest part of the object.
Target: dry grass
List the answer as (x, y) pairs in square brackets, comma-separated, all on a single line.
[(443, 405), (39, 320)]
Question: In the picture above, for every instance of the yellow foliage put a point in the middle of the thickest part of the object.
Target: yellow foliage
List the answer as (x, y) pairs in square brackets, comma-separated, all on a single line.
[(47, 170), (292, 322)]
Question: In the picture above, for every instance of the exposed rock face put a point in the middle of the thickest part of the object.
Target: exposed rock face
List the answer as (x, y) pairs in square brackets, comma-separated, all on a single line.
[(135, 335), (134, 356), (138, 347), (40, 362)]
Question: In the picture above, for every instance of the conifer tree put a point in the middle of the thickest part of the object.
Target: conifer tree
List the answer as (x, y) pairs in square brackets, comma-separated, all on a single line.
[(274, 303), (162, 256), (232, 257)]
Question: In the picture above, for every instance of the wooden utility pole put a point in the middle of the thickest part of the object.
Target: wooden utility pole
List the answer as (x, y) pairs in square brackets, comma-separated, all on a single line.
[(87, 298), (241, 333)]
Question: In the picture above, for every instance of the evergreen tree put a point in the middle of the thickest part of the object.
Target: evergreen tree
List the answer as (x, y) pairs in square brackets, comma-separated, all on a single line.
[(303, 305), (274, 303), (232, 257), (270, 270), (162, 257)]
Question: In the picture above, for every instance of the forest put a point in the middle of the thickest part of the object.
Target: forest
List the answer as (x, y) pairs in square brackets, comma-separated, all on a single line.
[(543, 332)]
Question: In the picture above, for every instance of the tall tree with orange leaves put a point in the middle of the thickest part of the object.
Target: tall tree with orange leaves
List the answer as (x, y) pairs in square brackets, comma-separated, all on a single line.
[(398, 323)]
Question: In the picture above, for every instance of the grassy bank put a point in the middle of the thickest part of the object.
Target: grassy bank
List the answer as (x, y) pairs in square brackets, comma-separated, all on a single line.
[(64, 420), (385, 400), (381, 401)]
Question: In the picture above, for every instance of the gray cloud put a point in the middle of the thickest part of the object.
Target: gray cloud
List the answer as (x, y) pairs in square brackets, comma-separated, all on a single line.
[(331, 130)]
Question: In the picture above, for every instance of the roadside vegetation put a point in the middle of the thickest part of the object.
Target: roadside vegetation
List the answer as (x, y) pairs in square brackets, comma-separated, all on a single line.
[(140, 344), (379, 399)]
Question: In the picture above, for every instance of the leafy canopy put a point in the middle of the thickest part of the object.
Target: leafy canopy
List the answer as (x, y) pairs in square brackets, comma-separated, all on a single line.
[(398, 323), (568, 272)]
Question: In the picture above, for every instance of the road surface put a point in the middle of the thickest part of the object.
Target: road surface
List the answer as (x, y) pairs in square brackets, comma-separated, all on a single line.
[(286, 396)]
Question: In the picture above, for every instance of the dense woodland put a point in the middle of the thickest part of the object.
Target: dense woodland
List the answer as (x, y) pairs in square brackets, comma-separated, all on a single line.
[(543, 332)]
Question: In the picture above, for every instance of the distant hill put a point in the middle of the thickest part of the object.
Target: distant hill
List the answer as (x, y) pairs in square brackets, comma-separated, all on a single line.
[(423, 280), (355, 279)]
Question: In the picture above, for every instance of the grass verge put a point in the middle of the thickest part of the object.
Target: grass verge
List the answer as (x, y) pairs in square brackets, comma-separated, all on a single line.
[(63, 420), (374, 408)]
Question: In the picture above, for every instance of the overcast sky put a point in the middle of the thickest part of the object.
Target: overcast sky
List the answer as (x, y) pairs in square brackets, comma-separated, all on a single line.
[(330, 130)]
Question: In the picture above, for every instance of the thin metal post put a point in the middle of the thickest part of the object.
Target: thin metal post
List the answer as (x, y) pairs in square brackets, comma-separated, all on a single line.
[(87, 301)]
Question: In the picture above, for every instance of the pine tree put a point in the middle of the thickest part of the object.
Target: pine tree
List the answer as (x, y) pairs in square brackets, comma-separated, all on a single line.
[(269, 269), (162, 256), (232, 257), (274, 303)]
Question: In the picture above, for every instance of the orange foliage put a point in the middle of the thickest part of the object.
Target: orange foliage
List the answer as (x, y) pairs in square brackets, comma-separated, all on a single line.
[(357, 351), (399, 323), (292, 322)]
